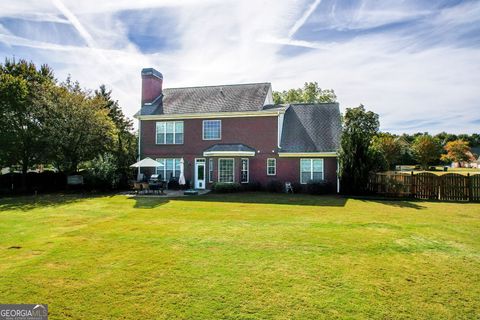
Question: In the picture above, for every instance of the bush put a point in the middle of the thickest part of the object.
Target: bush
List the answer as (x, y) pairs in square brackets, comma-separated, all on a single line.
[(319, 187), (252, 186), (222, 187), (102, 173), (298, 187), (275, 186)]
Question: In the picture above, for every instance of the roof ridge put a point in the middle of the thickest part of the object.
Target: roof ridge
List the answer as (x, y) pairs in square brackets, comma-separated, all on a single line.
[(313, 103), (220, 85)]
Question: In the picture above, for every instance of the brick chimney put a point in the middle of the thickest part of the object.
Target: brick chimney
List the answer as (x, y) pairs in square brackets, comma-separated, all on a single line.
[(152, 81)]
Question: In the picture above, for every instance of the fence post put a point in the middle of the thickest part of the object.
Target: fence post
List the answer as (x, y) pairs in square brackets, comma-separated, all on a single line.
[(470, 187), (412, 187)]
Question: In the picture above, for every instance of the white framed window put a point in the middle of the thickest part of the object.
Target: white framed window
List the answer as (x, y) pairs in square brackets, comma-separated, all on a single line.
[(226, 171), (271, 166), (170, 169), (212, 130), (169, 132), (311, 170), (244, 171), (210, 170)]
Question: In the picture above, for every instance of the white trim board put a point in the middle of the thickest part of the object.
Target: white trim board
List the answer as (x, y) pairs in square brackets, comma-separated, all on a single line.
[(308, 154)]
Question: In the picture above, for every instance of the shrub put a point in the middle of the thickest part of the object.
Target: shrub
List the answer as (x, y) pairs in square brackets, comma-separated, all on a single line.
[(275, 186), (252, 186), (222, 187), (319, 187), (101, 173), (298, 187)]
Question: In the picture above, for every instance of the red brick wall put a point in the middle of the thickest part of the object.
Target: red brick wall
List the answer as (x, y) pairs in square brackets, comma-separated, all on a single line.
[(151, 88), (259, 133)]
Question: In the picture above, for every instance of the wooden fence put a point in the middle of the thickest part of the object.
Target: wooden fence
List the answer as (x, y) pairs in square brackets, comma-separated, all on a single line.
[(428, 186)]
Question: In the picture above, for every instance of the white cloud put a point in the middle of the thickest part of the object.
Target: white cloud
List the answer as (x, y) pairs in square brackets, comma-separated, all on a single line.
[(414, 87)]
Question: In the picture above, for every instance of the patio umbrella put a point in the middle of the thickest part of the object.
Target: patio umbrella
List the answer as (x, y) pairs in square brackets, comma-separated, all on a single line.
[(146, 163), (181, 180)]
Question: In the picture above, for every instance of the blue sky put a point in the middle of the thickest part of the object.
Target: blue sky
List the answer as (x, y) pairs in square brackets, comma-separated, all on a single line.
[(416, 63)]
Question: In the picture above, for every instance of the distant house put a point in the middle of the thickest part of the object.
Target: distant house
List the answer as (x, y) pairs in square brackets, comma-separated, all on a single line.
[(474, 160), (234, 133)]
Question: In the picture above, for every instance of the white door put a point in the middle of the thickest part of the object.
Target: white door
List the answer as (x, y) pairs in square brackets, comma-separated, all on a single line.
[(199, 173)]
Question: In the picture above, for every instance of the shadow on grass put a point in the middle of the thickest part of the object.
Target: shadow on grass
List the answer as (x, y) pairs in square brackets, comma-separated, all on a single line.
[(146, 202), (398, 203), (26, 203)]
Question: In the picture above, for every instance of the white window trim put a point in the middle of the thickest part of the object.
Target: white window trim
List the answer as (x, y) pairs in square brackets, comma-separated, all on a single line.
[(218, 169), (165, 133), (203, 130), (210, 170), (274, 167), (311, 169), (248, 170)]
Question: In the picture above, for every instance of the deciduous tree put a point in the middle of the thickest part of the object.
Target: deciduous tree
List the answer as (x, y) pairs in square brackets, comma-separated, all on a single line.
[(457, 151), (311, 93), (78, 127), (21, 138), (426, 149)]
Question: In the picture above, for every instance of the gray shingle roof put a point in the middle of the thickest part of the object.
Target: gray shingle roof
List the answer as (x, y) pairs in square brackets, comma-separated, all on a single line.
[(229, 147), (223, 98), (311, 128)]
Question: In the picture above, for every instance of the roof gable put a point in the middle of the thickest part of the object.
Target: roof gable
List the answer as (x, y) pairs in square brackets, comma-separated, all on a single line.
[(311, 128)]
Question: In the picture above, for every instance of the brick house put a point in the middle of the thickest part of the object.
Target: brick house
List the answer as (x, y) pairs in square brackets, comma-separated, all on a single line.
[(234, 133)]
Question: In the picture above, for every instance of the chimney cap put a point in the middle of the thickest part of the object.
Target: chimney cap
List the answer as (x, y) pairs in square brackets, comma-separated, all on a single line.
[(151, 72)]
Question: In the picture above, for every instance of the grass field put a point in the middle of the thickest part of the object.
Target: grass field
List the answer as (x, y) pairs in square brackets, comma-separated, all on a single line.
[(244, 256)]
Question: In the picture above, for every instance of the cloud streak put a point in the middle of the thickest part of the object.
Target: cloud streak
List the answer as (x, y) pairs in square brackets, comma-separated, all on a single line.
[(415, 64)]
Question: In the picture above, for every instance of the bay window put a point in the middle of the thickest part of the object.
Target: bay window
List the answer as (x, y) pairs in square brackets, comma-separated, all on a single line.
[(210, 170), (226, 170), (244, 173)]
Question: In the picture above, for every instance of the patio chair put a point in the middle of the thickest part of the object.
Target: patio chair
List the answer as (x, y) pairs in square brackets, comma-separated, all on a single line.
[(137, 187), (145, 187)]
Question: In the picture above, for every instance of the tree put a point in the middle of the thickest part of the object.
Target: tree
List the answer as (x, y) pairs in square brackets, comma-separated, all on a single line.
[(21, 138), (390, 147), (457, 151), (426, 149), (77, 126), (311, 93), (357, 156), (125, 149)]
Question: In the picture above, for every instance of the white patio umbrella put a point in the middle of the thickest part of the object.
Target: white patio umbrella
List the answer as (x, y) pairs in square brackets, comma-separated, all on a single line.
[(146, 163), (181, 179)]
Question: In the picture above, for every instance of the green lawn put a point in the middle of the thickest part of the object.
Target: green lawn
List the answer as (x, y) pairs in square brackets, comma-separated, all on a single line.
[(245, 256)]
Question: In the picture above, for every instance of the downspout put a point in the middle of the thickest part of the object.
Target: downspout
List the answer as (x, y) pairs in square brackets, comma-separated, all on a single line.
[(139, 146), (338, 178)]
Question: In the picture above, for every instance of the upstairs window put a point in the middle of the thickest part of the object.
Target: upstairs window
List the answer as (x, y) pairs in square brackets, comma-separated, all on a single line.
[(169, 132), (212, 129), (271, 166), (311, 170)]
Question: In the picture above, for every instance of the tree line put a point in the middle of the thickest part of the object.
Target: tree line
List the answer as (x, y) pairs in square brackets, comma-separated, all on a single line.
[(60, 125), (365, 149)]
